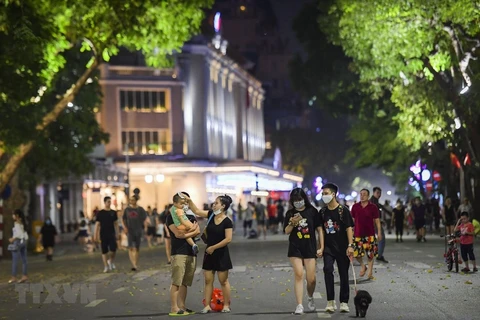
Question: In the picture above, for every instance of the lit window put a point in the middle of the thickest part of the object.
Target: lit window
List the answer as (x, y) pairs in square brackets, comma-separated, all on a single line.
[(143, 101), (145, 142)]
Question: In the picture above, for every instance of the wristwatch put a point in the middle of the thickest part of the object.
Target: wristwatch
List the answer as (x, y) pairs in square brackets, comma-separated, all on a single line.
[(351, 245)]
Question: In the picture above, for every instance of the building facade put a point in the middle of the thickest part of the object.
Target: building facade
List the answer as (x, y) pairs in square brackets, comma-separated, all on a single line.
[(197, 127)]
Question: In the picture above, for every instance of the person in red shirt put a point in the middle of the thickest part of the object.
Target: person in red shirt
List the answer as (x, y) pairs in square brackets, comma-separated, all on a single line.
[(466, 241), (272, 217), (366, 216)]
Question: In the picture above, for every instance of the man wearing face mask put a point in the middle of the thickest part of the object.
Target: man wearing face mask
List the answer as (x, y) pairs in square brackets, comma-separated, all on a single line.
[(47, 238), (337, 225)]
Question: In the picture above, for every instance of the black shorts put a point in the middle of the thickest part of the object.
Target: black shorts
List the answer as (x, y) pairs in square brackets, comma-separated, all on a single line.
[(260, 222), (419, 224), (467, 252), (134, 240), (151, 231), (109, 243)]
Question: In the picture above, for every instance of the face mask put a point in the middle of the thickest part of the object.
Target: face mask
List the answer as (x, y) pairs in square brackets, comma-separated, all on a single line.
[(327, 198), (48, 222), (299, 204), (216, 212)]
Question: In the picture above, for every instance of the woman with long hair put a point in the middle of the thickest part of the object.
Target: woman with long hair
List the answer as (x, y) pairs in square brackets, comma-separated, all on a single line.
[(19, 240), (301, 221)]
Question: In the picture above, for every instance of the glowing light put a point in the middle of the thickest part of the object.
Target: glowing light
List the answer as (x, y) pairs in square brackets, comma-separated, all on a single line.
[(159, 178), (354, 194), (148, 178), (389, 192), (260, 193), (458, 123), (426, 175), (217, 22), (465, 89), (243, 8)]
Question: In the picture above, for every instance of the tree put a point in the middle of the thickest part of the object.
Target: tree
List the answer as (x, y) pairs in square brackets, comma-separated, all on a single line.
[(34, 36)]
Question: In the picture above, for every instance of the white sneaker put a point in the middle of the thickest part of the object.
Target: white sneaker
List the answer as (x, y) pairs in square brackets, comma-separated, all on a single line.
[(311, 304), (331, 306), (344, 307), (105, 270), (299, 310), (111, 266)]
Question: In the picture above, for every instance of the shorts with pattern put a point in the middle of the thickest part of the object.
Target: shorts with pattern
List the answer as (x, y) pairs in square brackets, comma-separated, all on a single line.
[(365, 246)]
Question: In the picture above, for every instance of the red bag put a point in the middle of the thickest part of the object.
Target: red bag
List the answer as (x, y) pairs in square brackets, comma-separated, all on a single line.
[(216, 304)]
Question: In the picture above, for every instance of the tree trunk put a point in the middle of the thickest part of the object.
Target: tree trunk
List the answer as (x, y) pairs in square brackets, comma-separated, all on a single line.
[(14, 162)]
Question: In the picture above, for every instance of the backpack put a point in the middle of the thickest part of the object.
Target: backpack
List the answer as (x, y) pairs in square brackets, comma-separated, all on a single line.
[(340, 211)]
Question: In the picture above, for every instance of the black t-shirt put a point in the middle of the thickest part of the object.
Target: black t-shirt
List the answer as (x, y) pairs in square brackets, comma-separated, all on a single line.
[(399, 215), (216, 233), (107, 219), (419, 212), (260, 211), (302, 239), (179, 246), (48, 233), (280, 210), (335, 229)]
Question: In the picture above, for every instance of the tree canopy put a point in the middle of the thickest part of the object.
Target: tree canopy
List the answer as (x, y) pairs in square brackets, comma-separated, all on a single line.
[(35, 34)]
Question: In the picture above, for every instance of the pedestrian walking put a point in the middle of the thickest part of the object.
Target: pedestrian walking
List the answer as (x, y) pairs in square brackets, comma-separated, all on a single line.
[(465, 207), (419, 212), (399, 220), (152, 226), (18, 246), (134, 222), (107, 233), (366, 217), (248, 219), (183, 262), (261, 216), (377, 193), (47, 238), (448, 215), (337, 225), (281, 214), (301, 222), (388, 216), (82, 232)]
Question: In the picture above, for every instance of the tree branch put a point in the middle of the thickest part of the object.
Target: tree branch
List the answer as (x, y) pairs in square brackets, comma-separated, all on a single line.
[(13, 163)]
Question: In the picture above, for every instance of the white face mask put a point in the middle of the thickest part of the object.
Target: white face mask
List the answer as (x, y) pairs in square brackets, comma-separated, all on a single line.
[(327, 198), (216, 212), (299, 204)]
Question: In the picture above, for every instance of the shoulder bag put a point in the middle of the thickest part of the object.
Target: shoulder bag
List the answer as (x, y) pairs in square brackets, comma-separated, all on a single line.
[(204, 233)]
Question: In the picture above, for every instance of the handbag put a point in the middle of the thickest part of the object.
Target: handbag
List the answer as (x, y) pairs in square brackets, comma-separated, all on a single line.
[(15, 246), (204, 236)]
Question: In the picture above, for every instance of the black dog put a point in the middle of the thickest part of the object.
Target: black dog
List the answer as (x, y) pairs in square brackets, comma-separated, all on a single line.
[(362, 301)]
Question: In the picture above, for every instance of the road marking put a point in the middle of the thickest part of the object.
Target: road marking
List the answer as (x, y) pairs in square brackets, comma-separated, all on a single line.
[(94, 303), (323, 315), (317, 295), (119, 290), (430, 256), (278, 265), (55, 279), (99, 277), (239, 269), (145, 274), (283, 269), (418, 265), (418, 251)]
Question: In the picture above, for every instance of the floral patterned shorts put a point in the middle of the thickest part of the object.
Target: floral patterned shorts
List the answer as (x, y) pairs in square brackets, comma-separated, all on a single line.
[(365, 246)]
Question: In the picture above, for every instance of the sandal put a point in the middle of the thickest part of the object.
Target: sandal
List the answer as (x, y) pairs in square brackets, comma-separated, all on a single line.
[(226, 310), (362, 272), (179, 313), (206, 310)]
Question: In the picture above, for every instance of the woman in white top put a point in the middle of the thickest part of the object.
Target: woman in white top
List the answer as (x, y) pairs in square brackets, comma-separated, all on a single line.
[(20, 238)]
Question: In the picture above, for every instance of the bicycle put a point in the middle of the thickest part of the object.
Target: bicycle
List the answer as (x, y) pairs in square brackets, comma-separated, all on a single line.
[(451, 250)]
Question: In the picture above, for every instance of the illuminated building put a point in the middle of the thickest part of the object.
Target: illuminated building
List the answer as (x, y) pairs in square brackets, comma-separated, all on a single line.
[(197, 127)]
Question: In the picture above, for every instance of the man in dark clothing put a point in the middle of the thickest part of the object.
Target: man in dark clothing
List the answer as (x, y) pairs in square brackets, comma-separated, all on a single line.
[(135, 222), (106, 231), (337, 223), (377, 193), (261, 214), (419, 212)]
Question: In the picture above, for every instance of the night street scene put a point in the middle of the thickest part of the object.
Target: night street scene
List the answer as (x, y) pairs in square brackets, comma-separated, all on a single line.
[(239, 159)]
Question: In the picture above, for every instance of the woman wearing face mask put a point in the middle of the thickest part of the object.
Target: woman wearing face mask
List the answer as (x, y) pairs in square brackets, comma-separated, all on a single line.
[(217, 256), (47, 238), (300, 223), (19, 239)]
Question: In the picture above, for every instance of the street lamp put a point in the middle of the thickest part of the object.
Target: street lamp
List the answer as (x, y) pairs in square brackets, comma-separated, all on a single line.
[(158, 178)]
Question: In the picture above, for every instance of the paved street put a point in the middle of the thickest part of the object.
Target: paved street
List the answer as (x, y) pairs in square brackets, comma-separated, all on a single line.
[(414, 285)]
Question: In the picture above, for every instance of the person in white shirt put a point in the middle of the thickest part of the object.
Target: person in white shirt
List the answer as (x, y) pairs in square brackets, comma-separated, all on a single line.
[(465, 207), (19, 242)]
